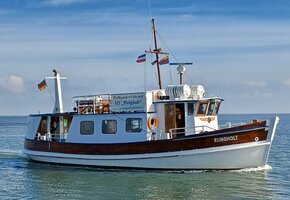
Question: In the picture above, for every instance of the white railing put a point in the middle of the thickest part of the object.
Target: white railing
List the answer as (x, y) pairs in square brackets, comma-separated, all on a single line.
[(157, 136), (92, 104), (191, 130), (60, 137), (230, 125)]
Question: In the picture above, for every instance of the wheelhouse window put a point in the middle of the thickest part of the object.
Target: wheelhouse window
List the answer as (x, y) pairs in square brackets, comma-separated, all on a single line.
[(109, 126), (217, 107), (133, 124), (190, 108), (87, 127), (202, 108), (211, 107)]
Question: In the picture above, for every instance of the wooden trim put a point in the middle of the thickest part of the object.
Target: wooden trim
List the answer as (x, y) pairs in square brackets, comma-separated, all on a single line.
[(237, 135)]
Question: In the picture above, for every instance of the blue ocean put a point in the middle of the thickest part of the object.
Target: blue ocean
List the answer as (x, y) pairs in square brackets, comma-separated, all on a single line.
[(23, 179)]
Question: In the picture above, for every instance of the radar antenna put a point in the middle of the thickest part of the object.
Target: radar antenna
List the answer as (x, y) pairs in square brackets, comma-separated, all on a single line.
[(180, 70)]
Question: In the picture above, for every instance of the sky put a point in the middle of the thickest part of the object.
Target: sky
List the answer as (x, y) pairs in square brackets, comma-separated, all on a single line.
[(240, 50)]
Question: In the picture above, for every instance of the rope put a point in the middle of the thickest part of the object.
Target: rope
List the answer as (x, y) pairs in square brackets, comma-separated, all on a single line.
[(150, 10), (53, 101), (167, 47), (173, 57), (154, 70), (170, 73), (188, 77), (145, 64)]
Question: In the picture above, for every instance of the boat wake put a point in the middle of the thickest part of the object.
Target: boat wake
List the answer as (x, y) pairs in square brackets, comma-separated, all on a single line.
[(246, 170), (255, 169), (7, 153)]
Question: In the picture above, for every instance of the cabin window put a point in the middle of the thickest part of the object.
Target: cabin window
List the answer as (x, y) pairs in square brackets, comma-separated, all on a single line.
[(190, 108), (87, 128), (202, 108), (109, 126), (42, 128), (217, 107), (211, 107), (66, 123), (133, 124)]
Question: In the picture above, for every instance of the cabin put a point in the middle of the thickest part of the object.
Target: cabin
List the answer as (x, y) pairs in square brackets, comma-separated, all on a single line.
[(173, 112)]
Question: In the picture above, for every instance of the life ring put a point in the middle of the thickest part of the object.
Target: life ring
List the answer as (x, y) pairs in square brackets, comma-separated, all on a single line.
[(152, 123), (158, 95)]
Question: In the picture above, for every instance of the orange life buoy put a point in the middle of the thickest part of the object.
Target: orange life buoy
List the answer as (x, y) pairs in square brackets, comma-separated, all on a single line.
[(158, 95), (152, 123)]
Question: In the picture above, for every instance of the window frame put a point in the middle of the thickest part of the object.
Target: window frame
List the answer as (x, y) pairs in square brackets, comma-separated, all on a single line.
[(116, 126), (193, 108), (208, 108), (140, 129), (217, 107), (200, 104), (86, 132)]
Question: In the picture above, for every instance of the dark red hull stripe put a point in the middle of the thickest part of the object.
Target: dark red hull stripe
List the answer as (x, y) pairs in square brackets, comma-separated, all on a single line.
[(214, 139)]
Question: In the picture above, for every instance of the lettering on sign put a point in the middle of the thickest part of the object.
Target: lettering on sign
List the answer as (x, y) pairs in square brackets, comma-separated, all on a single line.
[(128, 102), (225, 139)]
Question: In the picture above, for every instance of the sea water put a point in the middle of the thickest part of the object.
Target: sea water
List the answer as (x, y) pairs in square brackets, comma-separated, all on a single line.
[(23, 179)]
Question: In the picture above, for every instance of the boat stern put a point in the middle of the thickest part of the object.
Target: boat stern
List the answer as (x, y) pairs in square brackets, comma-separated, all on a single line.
[(32, 126)]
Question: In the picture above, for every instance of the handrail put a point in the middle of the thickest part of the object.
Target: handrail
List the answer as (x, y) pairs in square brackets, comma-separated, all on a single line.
[(230, 125), (157, 136), (193, 129), (52, 136), (91, 104)]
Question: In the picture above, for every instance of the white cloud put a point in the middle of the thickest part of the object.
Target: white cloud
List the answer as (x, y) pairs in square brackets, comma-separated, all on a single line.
[(14, 84), (251, 95), (287, 82), (256, 83), (62, 2), (263, 94)]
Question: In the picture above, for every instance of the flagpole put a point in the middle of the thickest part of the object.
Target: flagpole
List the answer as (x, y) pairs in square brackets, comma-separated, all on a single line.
[(157, 56), (145, 77), (58, 106)]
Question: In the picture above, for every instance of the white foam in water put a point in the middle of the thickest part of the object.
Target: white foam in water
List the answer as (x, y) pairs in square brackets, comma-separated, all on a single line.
[(9, 152), (255, 169), (186, 171), (246, 170)]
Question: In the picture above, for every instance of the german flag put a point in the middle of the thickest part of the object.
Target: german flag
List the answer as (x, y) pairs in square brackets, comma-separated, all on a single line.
[(42, 85)]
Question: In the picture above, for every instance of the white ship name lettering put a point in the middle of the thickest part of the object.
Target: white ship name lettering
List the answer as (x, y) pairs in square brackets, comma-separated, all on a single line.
[(225, 139)]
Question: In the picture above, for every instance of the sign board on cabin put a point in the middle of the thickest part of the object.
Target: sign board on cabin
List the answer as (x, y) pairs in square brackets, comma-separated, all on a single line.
[(134, 102)]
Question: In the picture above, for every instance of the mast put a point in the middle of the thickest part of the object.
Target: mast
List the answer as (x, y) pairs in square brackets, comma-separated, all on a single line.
[(156, 51), (157, 56), (58, 107)]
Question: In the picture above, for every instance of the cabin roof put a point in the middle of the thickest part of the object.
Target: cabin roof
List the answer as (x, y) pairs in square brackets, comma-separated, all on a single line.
[(187, 100)]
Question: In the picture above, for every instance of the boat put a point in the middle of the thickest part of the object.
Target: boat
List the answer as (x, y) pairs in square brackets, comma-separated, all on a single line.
[(171, 128)]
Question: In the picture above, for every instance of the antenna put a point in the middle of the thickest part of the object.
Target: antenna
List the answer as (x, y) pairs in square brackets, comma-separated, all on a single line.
[(180, 70)]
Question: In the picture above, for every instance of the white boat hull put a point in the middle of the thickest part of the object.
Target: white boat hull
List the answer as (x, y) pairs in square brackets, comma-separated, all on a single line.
[(234, 156), (230, 157)]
